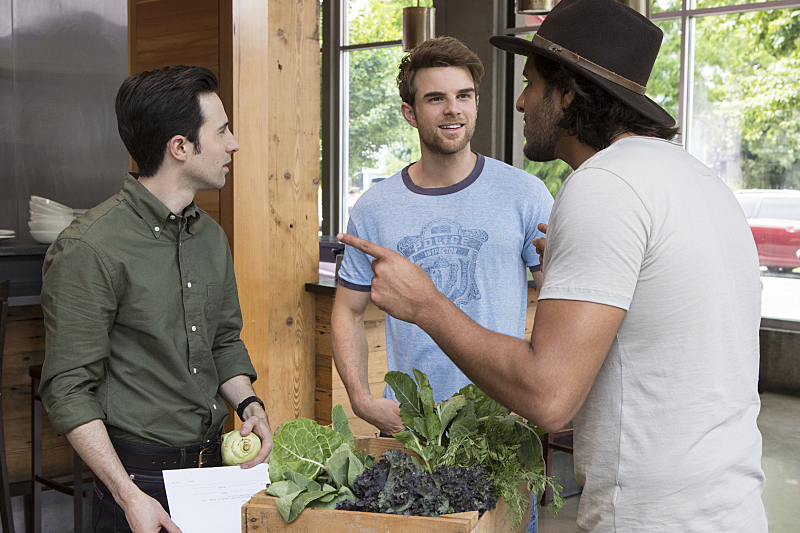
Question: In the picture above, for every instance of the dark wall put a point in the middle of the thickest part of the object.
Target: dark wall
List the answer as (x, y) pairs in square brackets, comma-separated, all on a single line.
[(780, 357), (61, 63)]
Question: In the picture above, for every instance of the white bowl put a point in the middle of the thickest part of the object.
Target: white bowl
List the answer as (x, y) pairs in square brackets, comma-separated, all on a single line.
[(44, 237), (49, 202), (45, 209), (60, 218), (48, 225)]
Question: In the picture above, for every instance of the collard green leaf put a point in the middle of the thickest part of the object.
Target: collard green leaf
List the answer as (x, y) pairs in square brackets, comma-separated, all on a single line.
[(411, 442), (282, 488), (302, 446), (420, 425), (433, 427), (301, 481), (284, 505), (407, 416), (449, 409), (425, 393), (341, 424), (331, 494), (302, 500), (465, 423), (354, 469), (485, 406), (338, 464), (405, 390), (530, 451)]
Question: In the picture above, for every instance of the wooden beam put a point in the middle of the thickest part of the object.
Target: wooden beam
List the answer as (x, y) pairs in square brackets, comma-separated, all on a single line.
[(276, 112)]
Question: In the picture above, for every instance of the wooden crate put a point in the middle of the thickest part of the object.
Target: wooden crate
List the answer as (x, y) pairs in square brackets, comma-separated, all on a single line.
[(261, 515)]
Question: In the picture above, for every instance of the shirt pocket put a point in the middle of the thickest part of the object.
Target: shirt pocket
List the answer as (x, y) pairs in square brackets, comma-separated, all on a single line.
[(214, 293)]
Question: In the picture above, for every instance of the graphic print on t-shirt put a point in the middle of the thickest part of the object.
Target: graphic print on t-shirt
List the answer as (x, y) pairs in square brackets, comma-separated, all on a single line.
[(448, 254)]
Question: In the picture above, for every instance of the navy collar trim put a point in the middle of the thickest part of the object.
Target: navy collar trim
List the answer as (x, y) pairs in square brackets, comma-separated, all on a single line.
[(450, 189)]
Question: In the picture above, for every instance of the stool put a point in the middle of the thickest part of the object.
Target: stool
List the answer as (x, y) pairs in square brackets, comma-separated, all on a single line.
[(548, 447), (6, 518), (37, 480)]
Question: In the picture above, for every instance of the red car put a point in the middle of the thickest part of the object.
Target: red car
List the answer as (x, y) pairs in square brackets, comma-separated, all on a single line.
[(774, 218)]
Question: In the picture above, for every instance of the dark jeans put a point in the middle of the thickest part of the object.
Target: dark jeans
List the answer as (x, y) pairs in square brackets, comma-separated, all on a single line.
[(108, 516)]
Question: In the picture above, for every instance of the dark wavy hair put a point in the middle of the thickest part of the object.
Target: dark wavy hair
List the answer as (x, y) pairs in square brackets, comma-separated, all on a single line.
[(595, 116), (437, 52), (154, 106)]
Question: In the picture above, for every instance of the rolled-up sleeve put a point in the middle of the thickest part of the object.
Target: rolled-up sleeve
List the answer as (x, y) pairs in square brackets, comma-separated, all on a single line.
[(230, 354), (79, 304)]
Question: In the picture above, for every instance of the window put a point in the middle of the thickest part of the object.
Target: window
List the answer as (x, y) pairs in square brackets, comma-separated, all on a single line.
[(729, 73), (368, 139)]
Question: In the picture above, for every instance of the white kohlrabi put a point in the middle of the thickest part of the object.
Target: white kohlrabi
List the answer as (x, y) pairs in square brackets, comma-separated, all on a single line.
[(237, 449)]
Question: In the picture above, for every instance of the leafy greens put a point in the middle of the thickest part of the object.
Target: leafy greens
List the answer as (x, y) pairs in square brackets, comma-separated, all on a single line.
[(471, 429), (313, 465)]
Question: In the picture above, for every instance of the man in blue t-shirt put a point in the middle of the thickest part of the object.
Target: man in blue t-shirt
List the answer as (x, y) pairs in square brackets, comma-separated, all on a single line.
[(466, 219)]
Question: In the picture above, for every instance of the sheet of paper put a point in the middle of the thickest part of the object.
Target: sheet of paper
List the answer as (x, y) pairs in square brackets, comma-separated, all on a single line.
[(211, 499)]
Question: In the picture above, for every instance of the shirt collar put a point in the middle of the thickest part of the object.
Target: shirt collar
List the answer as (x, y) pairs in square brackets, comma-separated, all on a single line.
[(150, 208)]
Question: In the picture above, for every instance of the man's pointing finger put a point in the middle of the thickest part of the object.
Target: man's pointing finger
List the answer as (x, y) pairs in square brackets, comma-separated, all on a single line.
[(364, 245)]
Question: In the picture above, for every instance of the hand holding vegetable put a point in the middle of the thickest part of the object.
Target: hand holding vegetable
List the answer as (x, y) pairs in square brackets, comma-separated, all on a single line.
[(383, 413), (257, 423)]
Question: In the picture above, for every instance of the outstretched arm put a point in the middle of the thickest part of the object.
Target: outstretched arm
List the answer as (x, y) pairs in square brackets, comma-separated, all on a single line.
[(351, 354), (545, 381)]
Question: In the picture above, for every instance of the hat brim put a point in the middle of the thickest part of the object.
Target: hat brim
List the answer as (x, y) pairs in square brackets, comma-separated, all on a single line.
[(638, 102)]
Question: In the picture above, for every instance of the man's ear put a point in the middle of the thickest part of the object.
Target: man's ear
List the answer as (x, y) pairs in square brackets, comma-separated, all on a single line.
[(567, 98), (178, 147), (408, 114)]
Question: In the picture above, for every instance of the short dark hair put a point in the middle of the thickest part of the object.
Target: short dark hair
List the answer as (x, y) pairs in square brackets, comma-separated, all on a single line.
[(437, 52), (594, 115), (154, 106)]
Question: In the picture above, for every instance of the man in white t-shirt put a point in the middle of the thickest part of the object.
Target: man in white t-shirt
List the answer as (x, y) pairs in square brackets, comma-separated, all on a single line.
[(646, 331)]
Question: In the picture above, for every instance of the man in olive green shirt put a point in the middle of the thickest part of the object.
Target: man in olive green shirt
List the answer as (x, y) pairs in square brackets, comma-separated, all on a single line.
[(142, 313)]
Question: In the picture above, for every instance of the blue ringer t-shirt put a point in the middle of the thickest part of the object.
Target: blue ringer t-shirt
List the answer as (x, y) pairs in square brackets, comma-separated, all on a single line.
[(473, 239)]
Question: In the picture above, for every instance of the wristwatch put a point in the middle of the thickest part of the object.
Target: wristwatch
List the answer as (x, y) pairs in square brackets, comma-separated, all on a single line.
[(244, 403)]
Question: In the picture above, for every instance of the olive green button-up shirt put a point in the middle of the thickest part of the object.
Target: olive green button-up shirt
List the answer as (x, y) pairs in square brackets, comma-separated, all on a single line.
[(142, 322)]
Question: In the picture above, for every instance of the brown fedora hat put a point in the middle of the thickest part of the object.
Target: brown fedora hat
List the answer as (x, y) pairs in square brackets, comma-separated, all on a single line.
[(604, 41)]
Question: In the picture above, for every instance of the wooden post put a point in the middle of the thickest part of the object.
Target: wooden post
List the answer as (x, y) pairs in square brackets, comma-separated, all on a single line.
[(276, 112)]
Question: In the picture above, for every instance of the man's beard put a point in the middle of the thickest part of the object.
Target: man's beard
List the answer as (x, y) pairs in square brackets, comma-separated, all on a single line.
[(437, 145), (541, 140)]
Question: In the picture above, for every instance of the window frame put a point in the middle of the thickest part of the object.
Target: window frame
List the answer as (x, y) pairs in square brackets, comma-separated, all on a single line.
[(687, 14), (335, 111)]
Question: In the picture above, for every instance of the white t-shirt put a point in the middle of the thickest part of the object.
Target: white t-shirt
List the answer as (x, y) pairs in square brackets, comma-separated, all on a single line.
[(666, 440)]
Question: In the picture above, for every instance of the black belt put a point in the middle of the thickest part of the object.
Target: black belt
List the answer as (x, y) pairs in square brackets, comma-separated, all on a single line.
[(150, 457)]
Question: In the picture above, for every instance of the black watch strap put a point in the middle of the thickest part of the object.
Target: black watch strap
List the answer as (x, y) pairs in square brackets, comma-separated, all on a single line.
[(244, 403)]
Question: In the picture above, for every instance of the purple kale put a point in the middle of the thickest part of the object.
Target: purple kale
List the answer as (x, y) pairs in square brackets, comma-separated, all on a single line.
[(398, 486), (466, 488)]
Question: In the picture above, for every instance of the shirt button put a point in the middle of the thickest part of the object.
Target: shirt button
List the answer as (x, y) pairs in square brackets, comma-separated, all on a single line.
[(194, 328), (189, 284), (195, 370), (156, 228), (215, 406), (172, 217)]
